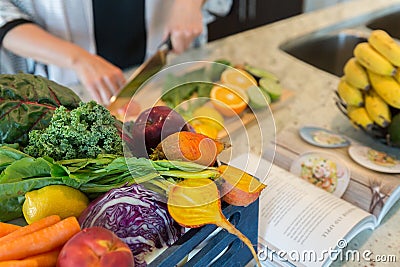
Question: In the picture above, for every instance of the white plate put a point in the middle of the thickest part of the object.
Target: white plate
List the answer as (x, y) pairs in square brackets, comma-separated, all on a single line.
[(323, 165), (322, 137), (360, 155)]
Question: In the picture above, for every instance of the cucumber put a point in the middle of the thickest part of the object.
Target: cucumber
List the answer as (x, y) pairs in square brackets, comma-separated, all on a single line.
[(259, 73), (258, 98), (272, 87)]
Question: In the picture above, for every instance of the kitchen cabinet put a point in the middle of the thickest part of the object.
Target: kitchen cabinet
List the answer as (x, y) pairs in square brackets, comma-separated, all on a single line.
[(248, 14)]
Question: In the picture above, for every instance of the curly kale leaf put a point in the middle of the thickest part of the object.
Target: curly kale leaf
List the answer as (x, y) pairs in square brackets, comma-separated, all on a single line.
[(84, 132)]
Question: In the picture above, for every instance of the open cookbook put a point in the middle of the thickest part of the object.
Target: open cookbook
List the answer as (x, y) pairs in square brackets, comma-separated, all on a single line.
[(301, 224)]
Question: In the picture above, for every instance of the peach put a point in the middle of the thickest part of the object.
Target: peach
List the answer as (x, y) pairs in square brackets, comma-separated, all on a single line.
[(95, 246)]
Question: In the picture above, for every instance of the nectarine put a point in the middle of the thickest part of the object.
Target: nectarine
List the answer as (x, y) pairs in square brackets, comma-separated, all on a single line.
[(95, 246)]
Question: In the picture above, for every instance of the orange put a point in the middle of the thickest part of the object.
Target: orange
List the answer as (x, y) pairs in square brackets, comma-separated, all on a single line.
[(238, 78), (229, 100)]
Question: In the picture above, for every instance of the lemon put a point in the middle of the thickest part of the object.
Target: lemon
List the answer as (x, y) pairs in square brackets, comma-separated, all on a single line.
[(205, 129), (209, 115), (59, 200)]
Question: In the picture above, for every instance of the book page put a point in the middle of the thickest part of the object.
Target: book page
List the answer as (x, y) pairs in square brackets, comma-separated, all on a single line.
[(299, 222), (304, 221), (360, 191)]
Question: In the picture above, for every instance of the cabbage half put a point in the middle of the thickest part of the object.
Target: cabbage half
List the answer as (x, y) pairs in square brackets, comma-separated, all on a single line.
[(136, 215)]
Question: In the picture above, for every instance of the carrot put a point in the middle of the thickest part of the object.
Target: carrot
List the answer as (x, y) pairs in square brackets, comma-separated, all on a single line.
[(46, 259), (40, 224), (6, 228), (195, 202), (41, 241)]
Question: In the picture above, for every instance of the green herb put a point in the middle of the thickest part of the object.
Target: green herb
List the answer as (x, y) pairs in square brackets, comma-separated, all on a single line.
[(84, 132)]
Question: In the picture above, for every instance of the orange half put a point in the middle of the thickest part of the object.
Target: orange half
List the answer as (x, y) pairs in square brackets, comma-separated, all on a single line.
[(238, 78), (229, 100)]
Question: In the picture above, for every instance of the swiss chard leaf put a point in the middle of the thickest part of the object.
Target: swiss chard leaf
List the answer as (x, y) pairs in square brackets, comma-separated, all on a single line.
[(27, 102)]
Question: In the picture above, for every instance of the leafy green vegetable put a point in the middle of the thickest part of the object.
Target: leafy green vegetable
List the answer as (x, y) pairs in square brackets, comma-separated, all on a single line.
[(84, 132), (92, 176), (177, 89), (27, 102)]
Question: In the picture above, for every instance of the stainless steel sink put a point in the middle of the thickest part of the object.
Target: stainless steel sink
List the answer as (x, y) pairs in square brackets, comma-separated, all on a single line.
[(328, 52), (328, 49), (389, 23)]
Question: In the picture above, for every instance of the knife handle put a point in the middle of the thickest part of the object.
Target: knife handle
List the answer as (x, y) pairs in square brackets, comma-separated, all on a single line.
[(167, 44)]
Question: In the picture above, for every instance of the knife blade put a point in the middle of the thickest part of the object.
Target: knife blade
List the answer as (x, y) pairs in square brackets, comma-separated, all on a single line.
[(150, 67)]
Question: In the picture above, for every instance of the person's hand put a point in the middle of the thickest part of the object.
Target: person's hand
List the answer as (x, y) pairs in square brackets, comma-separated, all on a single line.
[(185, 24), (101, 78)]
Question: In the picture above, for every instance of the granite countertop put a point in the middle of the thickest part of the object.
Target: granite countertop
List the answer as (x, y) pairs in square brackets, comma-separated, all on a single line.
[(313, 102)]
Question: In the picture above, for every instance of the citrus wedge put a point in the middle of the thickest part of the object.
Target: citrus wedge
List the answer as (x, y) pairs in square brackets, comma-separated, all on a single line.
[(238, 78), (229, 100)]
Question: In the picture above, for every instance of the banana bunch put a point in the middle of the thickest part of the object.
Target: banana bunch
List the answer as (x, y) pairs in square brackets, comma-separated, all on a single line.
[(369, 90)]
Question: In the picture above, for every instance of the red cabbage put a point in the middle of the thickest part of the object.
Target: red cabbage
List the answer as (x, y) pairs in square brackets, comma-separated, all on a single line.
[(136, 215)]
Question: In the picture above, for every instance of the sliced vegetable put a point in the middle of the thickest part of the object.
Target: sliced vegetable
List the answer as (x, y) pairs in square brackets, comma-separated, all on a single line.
[(189, 146), (196, 202), (238, 187), (40, 241), (28, 229), (136, 215), (259, 73)]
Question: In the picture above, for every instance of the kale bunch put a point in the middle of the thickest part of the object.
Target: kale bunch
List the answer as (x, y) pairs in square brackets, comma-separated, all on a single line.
[(83, 132)]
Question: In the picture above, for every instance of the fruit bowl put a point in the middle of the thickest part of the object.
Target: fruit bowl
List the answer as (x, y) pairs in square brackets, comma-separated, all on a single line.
[(369, 91)]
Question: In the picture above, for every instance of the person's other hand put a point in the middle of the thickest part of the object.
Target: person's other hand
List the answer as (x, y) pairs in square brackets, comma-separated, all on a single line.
[(185, 23), (101, 78)]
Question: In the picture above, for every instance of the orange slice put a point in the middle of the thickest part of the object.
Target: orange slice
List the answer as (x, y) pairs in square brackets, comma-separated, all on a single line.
[(229, 100), (238, 78)]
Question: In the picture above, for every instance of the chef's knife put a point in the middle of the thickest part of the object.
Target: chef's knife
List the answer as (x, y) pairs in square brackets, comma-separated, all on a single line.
[(139, 76)]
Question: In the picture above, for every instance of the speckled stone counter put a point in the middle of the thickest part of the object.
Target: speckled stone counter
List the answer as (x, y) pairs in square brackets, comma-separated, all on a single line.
[(313, 102)]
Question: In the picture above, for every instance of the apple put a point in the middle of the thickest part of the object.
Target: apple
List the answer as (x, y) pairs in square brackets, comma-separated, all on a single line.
[(152, 126), (95, 246)]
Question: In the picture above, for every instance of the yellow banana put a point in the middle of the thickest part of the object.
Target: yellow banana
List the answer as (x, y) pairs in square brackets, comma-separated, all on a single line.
[(372, 60), (359, 117), (385, 45), (386, 87), (349, 94), (355, 74), (397, 75), (377, 109)]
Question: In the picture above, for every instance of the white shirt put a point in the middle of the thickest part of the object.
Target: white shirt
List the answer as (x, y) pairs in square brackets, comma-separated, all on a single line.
[(72, 20)]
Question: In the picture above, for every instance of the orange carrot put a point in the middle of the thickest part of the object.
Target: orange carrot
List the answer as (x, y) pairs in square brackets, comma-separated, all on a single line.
[(40, 241), (40, 224), (46, 259), (6, 228)]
